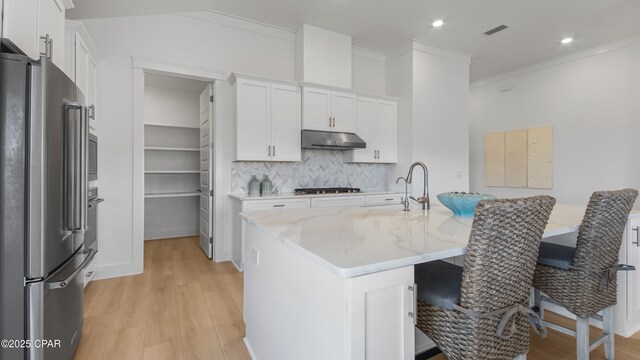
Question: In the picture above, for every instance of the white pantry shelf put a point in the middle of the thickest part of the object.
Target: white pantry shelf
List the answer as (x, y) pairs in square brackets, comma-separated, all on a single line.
[(170, 195), (169, 148), (172, 171), (173, 126)]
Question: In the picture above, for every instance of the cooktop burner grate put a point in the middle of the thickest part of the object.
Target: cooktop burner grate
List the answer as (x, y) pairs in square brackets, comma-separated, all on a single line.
[(329, 190)]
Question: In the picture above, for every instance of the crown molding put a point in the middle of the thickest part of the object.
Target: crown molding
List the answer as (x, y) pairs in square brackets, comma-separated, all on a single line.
[(558, 61)]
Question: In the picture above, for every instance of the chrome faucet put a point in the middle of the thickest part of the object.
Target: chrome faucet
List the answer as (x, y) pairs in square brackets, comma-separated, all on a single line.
[(405, 201), (424, 199)]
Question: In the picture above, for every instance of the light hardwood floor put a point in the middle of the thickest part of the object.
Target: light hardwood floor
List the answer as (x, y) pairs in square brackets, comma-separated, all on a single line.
[(186, 307)]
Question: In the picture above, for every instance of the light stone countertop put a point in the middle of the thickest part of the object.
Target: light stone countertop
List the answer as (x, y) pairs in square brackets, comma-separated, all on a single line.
[(290, 195), (354, 241)]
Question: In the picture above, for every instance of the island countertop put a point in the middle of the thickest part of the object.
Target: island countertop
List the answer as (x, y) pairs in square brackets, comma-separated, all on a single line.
[(354, 241)]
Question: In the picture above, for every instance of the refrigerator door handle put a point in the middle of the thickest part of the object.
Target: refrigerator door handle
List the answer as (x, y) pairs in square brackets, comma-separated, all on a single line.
[(76, 145), (95, 202), (62, 284)]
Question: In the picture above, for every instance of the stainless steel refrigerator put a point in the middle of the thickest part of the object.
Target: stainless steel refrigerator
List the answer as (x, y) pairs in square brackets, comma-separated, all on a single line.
[(43, 209)]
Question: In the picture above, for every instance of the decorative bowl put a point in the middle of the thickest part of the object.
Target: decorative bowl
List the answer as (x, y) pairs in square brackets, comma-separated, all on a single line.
[(462, 203)]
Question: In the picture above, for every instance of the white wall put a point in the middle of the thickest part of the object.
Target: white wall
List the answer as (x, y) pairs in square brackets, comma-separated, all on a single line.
[(200, 39), (592, 100), (368, 71), (433, 87), (167, 106)]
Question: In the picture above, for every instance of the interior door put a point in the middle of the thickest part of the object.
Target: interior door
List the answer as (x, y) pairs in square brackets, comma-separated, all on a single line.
[(206, 171)]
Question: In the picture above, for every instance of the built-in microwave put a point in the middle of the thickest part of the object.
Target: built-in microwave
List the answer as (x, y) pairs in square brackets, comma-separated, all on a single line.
[(93, 157)]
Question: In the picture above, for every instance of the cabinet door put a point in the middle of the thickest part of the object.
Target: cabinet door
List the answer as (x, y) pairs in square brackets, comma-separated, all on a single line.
[(316, 109), (271, 204), (285, 123), (633, 277), (92, 88), (364, 129), (253, 108), (82, 67), (20, 25), (51, 23), (380, 323), (355, 200), (386, 129), (343, 108)]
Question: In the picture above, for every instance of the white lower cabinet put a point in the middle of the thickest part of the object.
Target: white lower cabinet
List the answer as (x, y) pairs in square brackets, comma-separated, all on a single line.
[(238, 206), (291, 300), (628, 307), (337, 201), (375, 302)]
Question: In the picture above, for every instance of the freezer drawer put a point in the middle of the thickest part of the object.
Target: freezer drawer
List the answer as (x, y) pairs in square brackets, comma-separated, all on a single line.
[(56, 309)]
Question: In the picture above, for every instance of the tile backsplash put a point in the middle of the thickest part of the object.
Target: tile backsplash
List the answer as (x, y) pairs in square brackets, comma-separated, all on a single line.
[(318, 168)]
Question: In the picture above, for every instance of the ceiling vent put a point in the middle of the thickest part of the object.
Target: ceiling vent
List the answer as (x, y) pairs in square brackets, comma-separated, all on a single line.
[(495, 30)]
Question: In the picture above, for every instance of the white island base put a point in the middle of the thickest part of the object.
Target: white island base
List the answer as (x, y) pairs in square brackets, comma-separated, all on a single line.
[(337, 283), (295, 309)]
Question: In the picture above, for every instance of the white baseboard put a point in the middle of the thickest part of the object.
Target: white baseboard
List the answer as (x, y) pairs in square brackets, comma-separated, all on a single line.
[(249, 349), (116, 270), (170, 233)]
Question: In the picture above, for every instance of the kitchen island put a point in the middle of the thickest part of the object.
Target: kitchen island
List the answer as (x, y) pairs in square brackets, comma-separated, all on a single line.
[(337, 283)]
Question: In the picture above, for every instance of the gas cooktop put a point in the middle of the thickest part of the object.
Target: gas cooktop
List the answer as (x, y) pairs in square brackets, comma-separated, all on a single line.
[(329, 190)]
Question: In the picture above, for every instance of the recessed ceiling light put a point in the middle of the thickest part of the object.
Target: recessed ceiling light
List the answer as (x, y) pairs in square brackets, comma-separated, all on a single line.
[(567, 40), (438, 23)]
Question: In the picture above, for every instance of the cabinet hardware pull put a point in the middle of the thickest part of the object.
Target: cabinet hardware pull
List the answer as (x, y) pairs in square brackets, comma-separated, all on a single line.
[(269, 151), (279, 205), (330, 121), (50, 48), (388, 199), (637, 242), (46, 46), (414, 311), (274, 150)]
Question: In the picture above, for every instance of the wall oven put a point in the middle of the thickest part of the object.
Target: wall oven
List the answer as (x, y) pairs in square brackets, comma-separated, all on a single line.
[(93, 157)]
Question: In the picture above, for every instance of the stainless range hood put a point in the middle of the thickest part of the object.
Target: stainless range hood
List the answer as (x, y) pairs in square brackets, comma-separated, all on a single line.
[(325, 140)]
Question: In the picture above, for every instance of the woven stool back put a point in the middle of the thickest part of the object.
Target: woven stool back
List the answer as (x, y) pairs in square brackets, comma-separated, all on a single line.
[(602, 228), (502, 252)]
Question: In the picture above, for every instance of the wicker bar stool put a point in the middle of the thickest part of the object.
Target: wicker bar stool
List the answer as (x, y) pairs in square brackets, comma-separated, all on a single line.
[(583, 279), (480, 311)]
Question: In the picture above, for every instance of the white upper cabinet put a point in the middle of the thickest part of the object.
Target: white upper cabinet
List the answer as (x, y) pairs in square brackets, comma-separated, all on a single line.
[(385, 127), (285, 122), (343, 109), (20, 25), (36, 27), (267, 120), (81, 66), (252, 126), (328, 110), (51, 30), (317, 109), (377, 125)]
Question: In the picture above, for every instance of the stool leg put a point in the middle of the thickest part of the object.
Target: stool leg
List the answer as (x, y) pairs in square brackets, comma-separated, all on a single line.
[(537, 302), (607, 328), (582, 337)]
